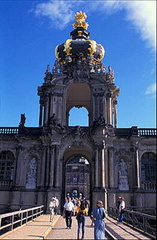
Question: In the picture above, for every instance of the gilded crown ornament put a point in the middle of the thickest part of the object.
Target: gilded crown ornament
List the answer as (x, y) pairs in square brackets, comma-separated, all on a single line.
[(80, 20), (79, 49)]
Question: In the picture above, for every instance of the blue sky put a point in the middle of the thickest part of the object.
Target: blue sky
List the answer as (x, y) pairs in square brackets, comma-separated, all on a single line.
[(30, 31)]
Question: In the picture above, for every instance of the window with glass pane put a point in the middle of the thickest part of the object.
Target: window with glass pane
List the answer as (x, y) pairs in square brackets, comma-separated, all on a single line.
[(6, 165), (148, 167)]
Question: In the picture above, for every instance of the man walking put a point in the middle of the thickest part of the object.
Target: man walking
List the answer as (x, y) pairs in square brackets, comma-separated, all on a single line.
[(121, 210), (68, 210), (52, 206)]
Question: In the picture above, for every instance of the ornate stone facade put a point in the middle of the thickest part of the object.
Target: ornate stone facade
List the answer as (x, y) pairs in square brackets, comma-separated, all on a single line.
[(99, 161)]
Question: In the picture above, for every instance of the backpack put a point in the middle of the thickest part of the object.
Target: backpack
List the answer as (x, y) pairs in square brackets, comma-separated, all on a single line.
[(83, 205)]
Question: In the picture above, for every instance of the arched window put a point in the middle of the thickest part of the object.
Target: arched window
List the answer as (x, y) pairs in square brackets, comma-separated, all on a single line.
[(7, 164), (148, 170), (78, 117)]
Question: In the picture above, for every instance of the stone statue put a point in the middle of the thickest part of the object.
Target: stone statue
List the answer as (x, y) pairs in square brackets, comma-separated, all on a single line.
[(122, 168), (122, 175), (22, 121), (31, 174), (55, 122), (100, 121), (110, 74), (48, 75)]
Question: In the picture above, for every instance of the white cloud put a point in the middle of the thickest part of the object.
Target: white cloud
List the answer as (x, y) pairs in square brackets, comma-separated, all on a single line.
[(151, 89), (59, 12), (141, 14)]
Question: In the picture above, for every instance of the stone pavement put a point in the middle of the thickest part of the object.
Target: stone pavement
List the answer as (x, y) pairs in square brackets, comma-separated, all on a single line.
[(119, 231), (42, 228), (36, 229), (123, 231), (61, 232)]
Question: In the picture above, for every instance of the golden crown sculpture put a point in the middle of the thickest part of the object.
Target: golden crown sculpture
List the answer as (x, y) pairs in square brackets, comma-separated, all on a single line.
[(80, 20)]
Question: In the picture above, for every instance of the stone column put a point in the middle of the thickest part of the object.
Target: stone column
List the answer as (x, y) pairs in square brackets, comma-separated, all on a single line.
[(58, 174), (19, 156), (115, 114), (41, 116), (111, 168), (52, 166), (99, 165), (96, 167), (103, 167), (95, 107), (110, 110), (137, 168), (105, 109), (60, 108), (47, 165), (46, 109), (56, 166)]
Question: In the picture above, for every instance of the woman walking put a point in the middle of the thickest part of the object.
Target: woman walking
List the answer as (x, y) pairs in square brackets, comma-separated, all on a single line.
[(98, 220), (80, 212)]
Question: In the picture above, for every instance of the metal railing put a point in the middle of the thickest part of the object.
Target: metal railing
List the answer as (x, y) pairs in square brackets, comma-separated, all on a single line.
[(9, 221), (140, 221)]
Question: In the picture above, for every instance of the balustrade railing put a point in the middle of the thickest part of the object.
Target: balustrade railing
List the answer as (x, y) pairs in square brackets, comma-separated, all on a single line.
[(148, 185), (143, 222), (120, 132), (147, 132), (9, 130), (9, 221), (6, 184)]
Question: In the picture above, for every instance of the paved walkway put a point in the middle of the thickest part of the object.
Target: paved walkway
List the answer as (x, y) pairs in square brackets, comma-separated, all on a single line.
[(42, 228), (39, 228), (60, 231)]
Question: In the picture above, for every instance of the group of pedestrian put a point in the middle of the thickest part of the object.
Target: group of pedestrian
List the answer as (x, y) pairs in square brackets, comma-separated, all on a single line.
[(77, 203), (97, 217)]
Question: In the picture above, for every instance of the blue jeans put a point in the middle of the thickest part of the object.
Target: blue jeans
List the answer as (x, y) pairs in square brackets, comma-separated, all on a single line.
[(81, 224), (121, 216)]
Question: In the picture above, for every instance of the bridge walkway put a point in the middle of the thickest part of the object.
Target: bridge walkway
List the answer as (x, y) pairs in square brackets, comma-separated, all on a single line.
[(42, 228)]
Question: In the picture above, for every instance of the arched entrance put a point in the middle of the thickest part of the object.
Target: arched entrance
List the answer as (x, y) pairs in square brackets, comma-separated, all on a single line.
[(77, 177)]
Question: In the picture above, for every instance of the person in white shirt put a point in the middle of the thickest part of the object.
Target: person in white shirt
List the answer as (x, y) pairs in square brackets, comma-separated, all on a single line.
[(121, 210), (56, 206), (52, 206), (68, 210)]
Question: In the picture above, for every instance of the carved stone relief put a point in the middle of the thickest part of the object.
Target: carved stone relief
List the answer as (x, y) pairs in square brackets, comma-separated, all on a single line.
[(31, 175), (122, 175)]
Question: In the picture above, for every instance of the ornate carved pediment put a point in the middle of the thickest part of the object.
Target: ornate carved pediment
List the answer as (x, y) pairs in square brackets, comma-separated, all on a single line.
[(77, 143)]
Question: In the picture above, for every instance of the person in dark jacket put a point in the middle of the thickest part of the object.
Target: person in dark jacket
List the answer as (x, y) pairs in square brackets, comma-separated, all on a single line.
[(80, 216)]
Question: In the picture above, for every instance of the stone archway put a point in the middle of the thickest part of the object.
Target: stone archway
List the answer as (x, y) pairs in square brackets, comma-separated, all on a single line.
[(77, 177)]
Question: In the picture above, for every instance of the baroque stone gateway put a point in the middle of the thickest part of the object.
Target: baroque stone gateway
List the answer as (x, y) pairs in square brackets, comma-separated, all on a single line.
[(98, 161)]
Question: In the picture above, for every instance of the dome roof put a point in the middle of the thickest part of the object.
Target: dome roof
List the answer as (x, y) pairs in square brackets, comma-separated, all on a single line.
[(79, 47)]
